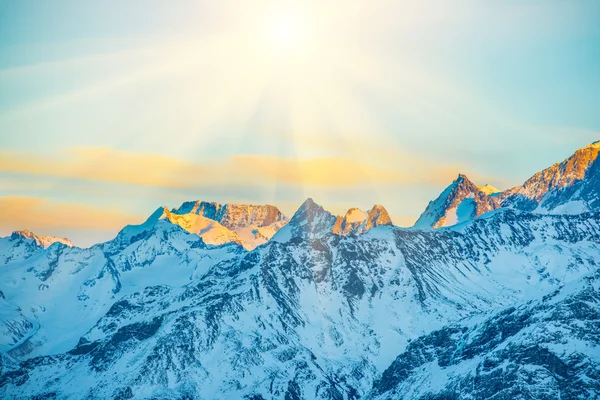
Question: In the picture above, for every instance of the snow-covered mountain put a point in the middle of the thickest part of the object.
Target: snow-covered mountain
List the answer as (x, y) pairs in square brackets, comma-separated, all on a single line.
[(332, 307), (568, 187), (62, 291), (246, 225), (311, 220), (43, 241), (461, 201)]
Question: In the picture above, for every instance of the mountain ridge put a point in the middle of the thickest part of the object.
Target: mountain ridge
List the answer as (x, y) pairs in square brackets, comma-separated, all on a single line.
[(568, 186)]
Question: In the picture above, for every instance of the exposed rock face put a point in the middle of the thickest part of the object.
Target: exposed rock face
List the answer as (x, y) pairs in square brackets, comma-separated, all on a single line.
[(234, 216), (356, 222), (570, 186), (309, 221)]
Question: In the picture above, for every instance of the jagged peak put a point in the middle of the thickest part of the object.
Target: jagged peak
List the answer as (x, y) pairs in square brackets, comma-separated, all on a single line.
[(309, 207), (463, 179), (355, 214), (380, 214), (443, 211), (308, 203)]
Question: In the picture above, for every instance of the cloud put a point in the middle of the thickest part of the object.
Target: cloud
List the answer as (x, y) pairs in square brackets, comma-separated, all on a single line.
[(43, 215), (100, 164), (324, 171), (105, 165)]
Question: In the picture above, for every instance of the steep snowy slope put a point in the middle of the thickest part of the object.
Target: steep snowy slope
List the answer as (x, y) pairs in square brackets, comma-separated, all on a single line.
[(545, 349), (15, 328), (317, 315)]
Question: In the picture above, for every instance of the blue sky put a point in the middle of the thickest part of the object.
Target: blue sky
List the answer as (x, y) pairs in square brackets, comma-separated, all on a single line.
[(110, 109)]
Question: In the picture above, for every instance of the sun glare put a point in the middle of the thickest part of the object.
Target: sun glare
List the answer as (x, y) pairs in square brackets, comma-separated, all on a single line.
[(287, 30)]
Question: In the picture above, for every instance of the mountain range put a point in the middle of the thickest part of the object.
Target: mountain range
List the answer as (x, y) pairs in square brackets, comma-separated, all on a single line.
[(492, 294)]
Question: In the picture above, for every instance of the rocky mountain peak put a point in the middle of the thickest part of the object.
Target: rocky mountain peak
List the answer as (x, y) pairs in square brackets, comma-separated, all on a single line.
[(379, 216), (462, 177), (42, 241), (462, 200), (312, 220), (311, 213), (568, 186), (357, 221), (234, 216)]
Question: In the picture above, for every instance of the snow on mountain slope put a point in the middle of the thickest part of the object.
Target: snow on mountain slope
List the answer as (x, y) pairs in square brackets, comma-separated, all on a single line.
[(15, 328), (247, 225), (568, 187), (209, 230), (252, 237), (64, 291), (544, 349), (316, 316), (461, 201), (43, 241), (502, 304)]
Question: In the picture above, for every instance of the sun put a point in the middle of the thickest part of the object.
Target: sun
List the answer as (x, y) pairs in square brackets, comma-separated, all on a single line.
[(287, 30)]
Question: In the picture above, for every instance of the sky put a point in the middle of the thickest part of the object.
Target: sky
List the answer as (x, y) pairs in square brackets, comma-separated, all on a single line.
[(111, 109)]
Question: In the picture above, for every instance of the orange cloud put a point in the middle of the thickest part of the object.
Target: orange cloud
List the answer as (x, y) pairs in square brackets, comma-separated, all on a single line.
[(39, 214), (326, 171), (99, 164), (106, 165)]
